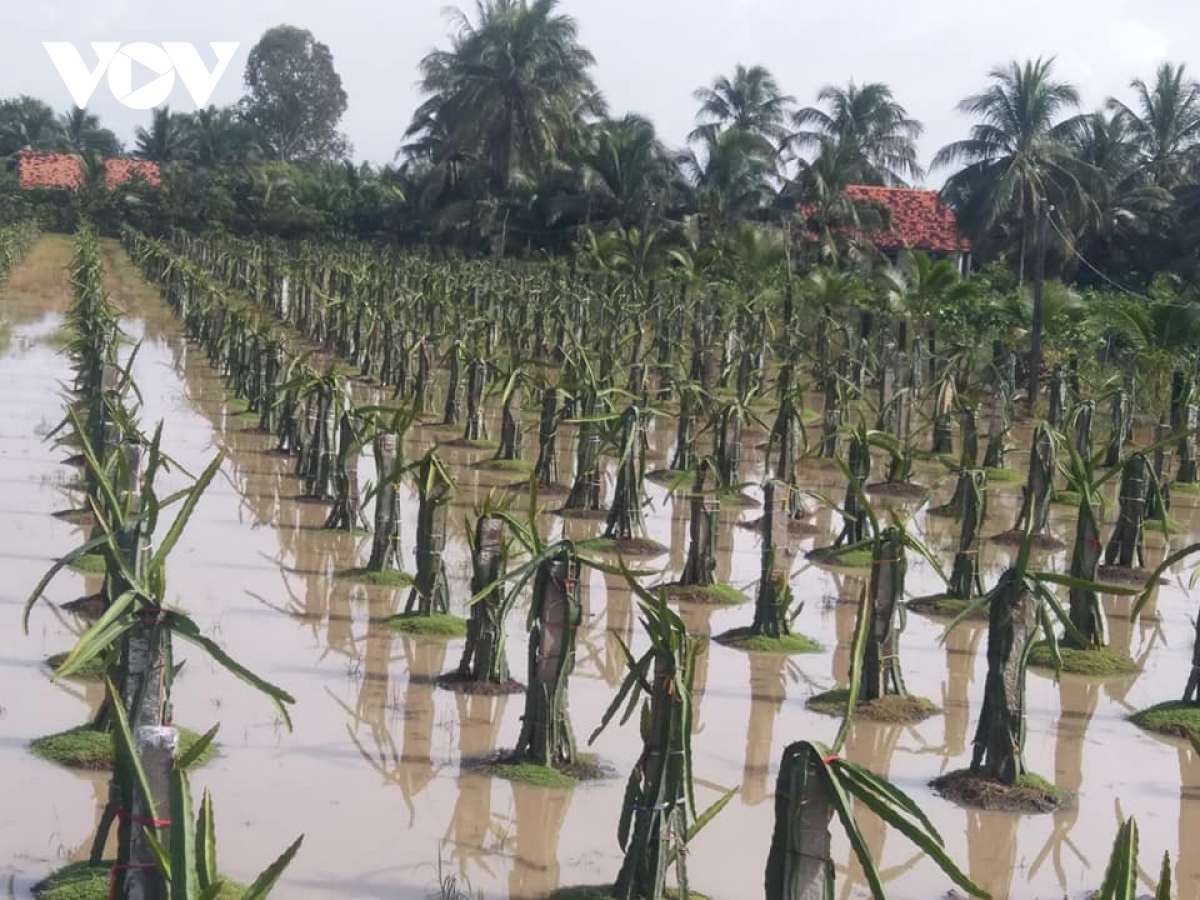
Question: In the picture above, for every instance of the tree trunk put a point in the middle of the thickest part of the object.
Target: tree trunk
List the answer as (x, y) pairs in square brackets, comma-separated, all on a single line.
[(881, 658), (385, 543), (483, 658), (799, 864), (1125, 547), (546, 469), (430, 592)]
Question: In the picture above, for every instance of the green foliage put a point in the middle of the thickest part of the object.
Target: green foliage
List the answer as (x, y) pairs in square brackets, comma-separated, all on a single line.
[(92, 749), (1174, 718), (435, 625)]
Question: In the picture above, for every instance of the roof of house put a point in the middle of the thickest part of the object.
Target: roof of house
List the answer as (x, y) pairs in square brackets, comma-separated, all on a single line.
[(37, 169), (915, 219)]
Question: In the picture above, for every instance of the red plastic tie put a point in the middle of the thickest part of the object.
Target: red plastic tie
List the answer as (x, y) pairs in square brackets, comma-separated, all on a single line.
[(125, 816), (829, 759), (112, 875)]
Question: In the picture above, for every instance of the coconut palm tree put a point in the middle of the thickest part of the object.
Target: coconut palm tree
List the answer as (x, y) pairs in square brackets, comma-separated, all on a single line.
[(27, 123), (218, 136), (632, 172), (750, 101), (867, 122), (82, 133), (1166, 124), (165, 141), (731, 176), (1019, 156), (513, 86)]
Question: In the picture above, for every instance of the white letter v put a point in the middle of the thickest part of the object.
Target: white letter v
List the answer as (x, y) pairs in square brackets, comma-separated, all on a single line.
[(80, 82), (200, 82)]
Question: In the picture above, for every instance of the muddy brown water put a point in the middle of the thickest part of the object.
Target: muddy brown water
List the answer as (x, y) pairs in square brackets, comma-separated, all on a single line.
[(371, 774)]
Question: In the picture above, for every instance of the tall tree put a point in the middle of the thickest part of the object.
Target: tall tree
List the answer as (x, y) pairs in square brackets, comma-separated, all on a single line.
[(27, 123), (514, 88), (750, 101), (731, 176), (295, 96), (219, 136), (82, 133), (868, 123), (1166, 124), (165, 141), (633, 172)]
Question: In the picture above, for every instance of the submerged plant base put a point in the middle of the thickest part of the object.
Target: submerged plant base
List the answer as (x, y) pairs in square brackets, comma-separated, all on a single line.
[(543, 490), (86, 748), (84, 881), (520, 466), (74, 516), (943, 606), (674, 479), (1124, 575), (590, 515), (905, 490), (1066, 498), (742, 639), (738, 500), (1038, 541), (846, 557), (91, 564), (1004, 476), (93, 669), (1031, 793), (90, 607), (1097, 661), (1186, 487), (705, 595), (1173, 718), (605, 892), (436, 625), (629, 546), (891, 708), (465, 684), (465, 444), (511, 768), (385, 577)]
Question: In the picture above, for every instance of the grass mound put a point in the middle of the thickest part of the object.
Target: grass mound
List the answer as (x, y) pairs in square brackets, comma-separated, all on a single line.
[(943, 606), (464, 444), (1173, 718), (900, 490), (1031, 793), (93, 669), (852, 558), (636, 546), (605, 892), (1186, 487), (707, 595), (436, 625), (1014, 538), (84, 881), (886, 709), (1096, 661), (1006, 476), (741, 639), (512, 769), (91, 564), (463, 684), (86, 748), (519, 466), (1066, 498), (386, 578), (672, 478)]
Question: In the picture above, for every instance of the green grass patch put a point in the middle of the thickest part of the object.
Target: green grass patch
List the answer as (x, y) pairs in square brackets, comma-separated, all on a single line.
[(91, 564), (471, 444), (1173, 718), (1096, 661), (86, 748), (741, 639), (436, 625), (605, 892), (1186, 487), (93, 669), (1067, 498), (385, 578), (520, 466), (529, 773), (1011, 476), (1031, 793), (706, 595), (891, 708), (854, 558), (674, 479), (942, 606), (84, 881)]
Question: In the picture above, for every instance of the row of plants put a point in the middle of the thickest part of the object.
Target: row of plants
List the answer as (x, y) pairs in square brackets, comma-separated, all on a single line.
[(163, 847)]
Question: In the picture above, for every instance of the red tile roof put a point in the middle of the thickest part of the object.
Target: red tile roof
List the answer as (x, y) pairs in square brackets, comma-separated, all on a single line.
[(64, 171), (914, 219)]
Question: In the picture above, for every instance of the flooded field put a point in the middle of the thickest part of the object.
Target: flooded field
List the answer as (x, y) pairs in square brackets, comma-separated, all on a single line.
[(372, 772)]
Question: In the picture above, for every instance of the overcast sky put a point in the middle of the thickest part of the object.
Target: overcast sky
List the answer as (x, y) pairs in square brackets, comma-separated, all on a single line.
[(651, 54)]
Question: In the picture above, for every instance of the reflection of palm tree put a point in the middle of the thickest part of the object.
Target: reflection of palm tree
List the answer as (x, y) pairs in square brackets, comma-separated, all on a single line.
[(873, 745), (992, 849), (961, 646), (479, 720), (1187, 870), (1120, 637), (539, 814), (1077, 704), (768, 689)]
